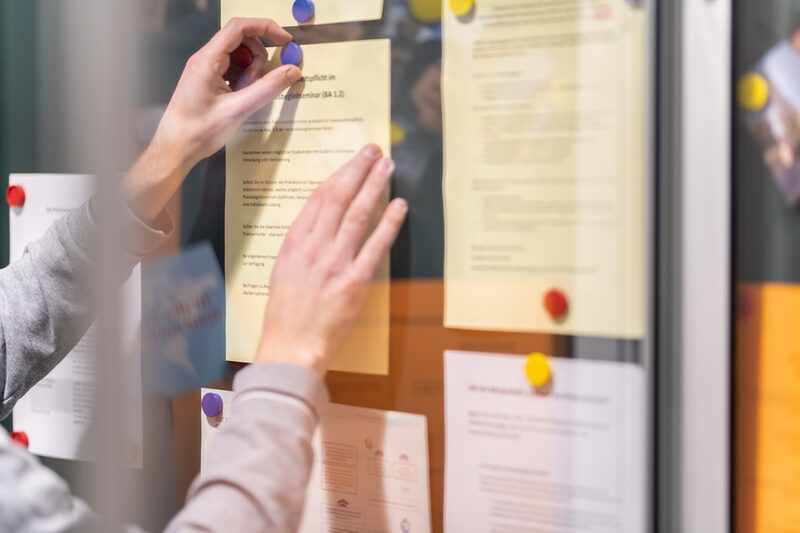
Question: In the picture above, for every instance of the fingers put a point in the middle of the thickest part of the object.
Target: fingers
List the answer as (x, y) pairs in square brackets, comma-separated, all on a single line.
[(304, 222), (342, 188), (381, 240), (360, 213), (238, 78), (261, 92), (236, 31), (253, 72)]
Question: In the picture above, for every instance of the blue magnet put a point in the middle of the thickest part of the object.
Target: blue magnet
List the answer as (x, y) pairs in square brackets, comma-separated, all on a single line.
[(292, 54), (212, 404), (303, 10)]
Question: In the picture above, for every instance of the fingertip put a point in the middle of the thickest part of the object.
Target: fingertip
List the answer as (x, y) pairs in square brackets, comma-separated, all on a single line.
[(371, 151), (385, 166), (292, 74), (285, 36), (400, 206)]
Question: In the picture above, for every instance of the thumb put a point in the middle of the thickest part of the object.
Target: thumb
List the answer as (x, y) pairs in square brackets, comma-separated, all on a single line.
[(255, 96)]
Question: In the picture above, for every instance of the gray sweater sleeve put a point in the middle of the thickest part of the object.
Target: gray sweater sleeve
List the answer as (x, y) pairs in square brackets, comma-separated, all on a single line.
[(259, 465), (45, 308), (34, 499), (45, 296)]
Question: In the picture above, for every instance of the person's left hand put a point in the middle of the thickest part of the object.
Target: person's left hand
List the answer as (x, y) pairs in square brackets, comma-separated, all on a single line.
[(204, 111)]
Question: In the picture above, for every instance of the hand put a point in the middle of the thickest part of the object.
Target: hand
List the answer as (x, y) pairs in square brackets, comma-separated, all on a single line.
[(427, 97), (323, 273), (204, 111)]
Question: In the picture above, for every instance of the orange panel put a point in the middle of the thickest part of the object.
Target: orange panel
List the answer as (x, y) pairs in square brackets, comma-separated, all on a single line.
[(767, 423)]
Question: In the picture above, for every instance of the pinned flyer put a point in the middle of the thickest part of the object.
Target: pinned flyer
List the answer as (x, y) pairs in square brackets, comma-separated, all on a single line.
[(57, 415), (289, 13), (515, 457), (183, 327), (273, 164), (370, 468), (544, 171)]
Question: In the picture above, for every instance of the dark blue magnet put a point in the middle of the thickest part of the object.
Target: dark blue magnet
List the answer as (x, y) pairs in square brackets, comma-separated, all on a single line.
[(292, 54), (303, 10)]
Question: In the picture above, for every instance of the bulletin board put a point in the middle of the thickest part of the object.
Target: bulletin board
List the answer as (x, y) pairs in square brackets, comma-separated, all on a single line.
[(174, 29), (418, 337)]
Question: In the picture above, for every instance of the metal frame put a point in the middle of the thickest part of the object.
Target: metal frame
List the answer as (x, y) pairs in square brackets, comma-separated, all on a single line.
[(705, 267), (693, 438)]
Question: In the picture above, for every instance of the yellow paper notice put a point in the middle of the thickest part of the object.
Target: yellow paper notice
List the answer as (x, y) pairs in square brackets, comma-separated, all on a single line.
[(544, 167), (325, 11), (767, 401), (273, 164)]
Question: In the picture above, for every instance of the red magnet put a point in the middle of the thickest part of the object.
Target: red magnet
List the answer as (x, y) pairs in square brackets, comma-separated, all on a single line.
[(555, 302), (242, 57), (20, 437), (15, 195)]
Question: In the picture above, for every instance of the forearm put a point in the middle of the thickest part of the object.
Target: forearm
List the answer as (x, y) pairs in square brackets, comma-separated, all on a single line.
[(46, 301), (258, 468), (156, 176)]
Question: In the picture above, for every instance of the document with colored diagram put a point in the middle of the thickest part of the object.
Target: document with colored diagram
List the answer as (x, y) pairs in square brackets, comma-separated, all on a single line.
[(370, 469), (276, 160), (544, 167)]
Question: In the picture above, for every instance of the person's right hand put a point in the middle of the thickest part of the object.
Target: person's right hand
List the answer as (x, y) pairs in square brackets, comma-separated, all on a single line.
[(204, 111), (323, 272)]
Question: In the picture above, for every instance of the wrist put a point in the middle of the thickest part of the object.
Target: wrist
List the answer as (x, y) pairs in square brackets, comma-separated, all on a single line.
[(170, 153), (274, 352), (153, 180)]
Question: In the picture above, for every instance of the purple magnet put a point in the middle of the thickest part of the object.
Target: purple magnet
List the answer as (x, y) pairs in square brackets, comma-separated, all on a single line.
[(303, 10), (212, 404), (292, 54)]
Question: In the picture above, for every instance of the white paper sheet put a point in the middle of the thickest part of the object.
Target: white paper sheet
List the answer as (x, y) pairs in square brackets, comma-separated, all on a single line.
[(370, 470), (58, 412), (569, 461)]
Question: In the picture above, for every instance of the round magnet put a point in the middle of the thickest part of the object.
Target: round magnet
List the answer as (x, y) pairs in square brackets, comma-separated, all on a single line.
[(242, 57), (537, 369), (427, 11), (556, 303), (397, 134), (20, 438), (15, 196), (212, 404), (292, 54), (461, 7), (303, 10), (752, 92)]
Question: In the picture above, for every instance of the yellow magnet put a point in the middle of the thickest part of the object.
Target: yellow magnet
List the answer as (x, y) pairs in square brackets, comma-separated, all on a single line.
[(537, 369), (752, 92), (426, 10), (461, 7), (397, 134)]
